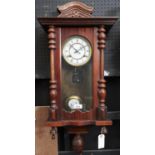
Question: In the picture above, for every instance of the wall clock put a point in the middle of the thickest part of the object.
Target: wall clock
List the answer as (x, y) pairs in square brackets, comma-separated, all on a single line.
[(77, 85)]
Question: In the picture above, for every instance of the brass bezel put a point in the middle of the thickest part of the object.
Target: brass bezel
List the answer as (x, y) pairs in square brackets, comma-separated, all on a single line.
[(68, 99)]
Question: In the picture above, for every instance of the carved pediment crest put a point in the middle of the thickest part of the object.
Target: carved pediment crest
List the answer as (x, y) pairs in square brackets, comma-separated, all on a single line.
[(75, 9)]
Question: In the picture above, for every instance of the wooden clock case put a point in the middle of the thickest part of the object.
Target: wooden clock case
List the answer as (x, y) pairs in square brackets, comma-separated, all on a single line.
[(76, 19)]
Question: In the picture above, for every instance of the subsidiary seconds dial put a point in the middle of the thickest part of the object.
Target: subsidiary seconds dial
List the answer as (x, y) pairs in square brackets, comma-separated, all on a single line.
[(77, 51)]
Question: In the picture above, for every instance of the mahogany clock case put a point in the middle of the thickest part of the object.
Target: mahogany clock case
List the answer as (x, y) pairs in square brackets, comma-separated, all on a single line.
[(67, 87), (47, 8), (82, 87)]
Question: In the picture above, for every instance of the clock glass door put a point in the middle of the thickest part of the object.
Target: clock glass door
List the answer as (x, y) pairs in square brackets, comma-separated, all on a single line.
[(76, 75)]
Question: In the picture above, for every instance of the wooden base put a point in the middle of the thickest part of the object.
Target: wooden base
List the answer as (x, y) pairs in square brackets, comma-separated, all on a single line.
[(79, 123), (103, 123), (78, 128)]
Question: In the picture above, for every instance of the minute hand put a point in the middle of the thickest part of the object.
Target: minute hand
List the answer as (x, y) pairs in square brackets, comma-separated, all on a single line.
[(82, 47), (74, 48)]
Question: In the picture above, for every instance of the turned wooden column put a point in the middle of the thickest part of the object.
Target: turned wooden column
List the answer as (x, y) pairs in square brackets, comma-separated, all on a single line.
[(102, 109), (53, 82)]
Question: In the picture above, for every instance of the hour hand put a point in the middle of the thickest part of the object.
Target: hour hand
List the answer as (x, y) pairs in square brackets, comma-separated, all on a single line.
[(76, 51)]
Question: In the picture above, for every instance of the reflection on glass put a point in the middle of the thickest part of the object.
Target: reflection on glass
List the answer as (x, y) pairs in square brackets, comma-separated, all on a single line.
[(75, 82)]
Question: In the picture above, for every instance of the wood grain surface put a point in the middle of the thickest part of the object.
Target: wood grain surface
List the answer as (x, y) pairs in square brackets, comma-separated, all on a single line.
[(44, 144)]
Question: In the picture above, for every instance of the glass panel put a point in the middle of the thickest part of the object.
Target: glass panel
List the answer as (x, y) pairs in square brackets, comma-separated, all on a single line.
[(76, 84)]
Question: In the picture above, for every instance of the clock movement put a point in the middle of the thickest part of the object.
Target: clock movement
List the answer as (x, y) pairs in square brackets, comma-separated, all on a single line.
[(77, 84)]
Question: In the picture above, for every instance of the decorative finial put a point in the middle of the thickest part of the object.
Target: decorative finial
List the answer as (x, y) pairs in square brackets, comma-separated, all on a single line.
[(75, 9)]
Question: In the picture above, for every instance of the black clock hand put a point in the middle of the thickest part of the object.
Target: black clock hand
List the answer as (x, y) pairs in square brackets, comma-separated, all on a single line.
[(82, 47), (76, 51)]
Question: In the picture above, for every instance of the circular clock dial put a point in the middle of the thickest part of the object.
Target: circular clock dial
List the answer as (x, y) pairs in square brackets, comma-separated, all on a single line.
[(77, 51), (74, 103)]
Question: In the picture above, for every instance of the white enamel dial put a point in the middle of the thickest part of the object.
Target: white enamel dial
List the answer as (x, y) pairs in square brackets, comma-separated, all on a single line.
[(74, 103), (77, 51)]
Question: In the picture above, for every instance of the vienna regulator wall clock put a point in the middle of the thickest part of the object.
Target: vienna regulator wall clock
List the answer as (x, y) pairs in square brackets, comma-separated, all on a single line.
[(77, 85)]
